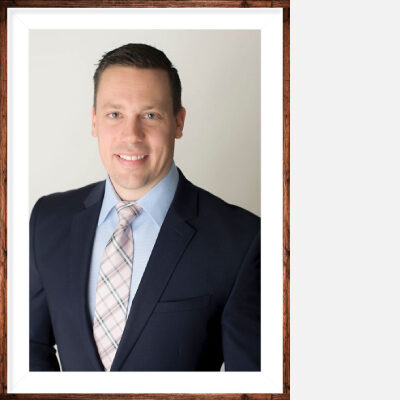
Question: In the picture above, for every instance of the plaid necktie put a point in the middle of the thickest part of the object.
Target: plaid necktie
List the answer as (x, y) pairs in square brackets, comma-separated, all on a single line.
[(113, 285)]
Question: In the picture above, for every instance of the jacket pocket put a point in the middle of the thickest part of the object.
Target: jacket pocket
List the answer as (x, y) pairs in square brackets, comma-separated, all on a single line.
[(193, 303)]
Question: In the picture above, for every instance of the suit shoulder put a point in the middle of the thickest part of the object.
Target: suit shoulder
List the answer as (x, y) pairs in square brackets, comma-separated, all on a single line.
[(220, 211), (67, 201)]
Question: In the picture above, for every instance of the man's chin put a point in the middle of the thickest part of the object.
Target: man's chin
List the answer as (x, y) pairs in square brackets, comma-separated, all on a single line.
[(130, 187)]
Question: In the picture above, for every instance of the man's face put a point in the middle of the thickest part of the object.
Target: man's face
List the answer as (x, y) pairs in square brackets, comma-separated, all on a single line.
[(136, 128)]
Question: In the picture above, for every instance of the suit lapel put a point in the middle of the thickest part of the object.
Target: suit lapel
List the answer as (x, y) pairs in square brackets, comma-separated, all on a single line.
[(174, 237), (83, 230)]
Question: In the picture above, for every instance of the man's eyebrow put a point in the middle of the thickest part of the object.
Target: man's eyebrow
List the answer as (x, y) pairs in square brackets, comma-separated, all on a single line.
[(155, 107), (119, 106), (112, 105)]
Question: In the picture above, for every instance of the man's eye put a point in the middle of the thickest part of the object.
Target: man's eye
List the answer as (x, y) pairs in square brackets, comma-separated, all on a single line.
[(114, 115), (150, 115)]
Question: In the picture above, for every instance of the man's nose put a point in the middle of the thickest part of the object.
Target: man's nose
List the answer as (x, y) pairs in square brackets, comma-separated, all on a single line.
[(133, 129)]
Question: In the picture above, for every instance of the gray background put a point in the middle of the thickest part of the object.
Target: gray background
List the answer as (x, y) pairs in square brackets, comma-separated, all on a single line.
[(345, 200), (220, 74)]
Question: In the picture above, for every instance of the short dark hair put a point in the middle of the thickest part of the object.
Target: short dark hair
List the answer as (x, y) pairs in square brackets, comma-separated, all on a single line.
[(141, 56)]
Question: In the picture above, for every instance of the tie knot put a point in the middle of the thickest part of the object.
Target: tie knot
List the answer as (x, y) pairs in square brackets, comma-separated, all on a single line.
[(127, 211)]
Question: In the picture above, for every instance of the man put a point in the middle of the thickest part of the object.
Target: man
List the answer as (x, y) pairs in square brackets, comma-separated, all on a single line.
[(143, 271)]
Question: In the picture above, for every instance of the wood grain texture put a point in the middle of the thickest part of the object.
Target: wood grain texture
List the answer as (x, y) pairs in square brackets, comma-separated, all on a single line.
[(3, 200), (3, 193), (286, 201), (194, 396), (148, 3)]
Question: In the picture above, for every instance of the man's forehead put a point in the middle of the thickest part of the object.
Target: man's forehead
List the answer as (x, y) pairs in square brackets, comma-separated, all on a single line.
[(121, 106), (121, 85)]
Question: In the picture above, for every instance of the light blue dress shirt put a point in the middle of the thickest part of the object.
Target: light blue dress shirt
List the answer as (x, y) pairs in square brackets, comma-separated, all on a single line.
[(145, 229)]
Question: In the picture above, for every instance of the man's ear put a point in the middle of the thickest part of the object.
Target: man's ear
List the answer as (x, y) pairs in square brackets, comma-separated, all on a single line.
[(94, 133), (180, 122)]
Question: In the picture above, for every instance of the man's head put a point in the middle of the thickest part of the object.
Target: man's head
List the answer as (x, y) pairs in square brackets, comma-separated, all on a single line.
[(141, 56), (137, 115)]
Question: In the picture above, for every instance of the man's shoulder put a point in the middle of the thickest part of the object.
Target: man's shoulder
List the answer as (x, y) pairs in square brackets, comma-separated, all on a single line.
[(220, 213), (221, 205), (70, 200)]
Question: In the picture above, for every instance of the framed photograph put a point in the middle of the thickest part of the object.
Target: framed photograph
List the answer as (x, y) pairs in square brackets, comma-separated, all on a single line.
[(233, 61)]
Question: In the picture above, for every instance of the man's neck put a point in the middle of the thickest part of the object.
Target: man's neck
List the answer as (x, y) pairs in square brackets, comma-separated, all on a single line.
[(134, 195)]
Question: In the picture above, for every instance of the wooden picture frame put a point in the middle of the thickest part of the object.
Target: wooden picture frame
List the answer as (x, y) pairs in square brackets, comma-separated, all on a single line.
[(285, 5)]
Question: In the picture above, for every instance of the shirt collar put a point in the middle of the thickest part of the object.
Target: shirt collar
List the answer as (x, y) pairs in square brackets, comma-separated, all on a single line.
[(155, 202)]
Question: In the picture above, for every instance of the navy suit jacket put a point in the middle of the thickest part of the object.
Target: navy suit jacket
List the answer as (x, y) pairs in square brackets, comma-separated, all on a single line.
[(197, 305)]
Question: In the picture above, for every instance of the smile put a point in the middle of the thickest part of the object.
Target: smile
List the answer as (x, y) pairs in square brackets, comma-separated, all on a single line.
[(131, 158)]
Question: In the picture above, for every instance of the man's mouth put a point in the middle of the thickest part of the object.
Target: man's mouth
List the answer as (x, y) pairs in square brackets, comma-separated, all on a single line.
[(131, 158)]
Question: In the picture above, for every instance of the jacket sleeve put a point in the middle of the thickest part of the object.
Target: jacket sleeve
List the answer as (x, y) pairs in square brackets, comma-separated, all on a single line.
[(42, 355), (241, 315)]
